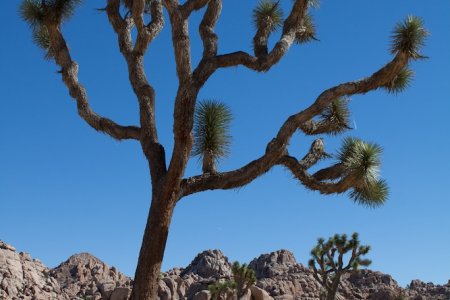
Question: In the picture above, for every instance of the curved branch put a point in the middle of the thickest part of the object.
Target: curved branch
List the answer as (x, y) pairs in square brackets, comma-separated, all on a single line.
[(277, 147), (330, 173), (146, 33), (312, 183), (189, 6), (206, 29), (260, 63), (314, 155), (69, 70), (326, 126), (138, 79)]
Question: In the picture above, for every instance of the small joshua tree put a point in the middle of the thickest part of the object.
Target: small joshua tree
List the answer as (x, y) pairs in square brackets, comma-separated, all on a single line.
[(137, 23), (222, 290), (243, 277), (211, 133), (328, 269)]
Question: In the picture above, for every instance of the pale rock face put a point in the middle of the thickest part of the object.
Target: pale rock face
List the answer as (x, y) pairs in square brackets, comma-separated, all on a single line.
[(85, 275), (21, 277), (279, 277), (210, 263)]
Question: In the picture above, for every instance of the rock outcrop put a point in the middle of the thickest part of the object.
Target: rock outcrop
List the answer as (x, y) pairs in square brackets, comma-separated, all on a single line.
[(22, 277), (85, 275), (279, 276)]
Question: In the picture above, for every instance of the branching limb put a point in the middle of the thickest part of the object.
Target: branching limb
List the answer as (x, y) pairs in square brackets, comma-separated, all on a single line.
[(277, 147), (191, 5), (316, 152), (261, 63), (121, 26), (170, 5), (138, 79), (312, 183), (69, 70), (146, 33), (209, 21)]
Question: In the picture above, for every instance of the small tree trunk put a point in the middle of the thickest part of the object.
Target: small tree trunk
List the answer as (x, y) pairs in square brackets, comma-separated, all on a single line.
[(148, 269), (334, 287), (209, 165)]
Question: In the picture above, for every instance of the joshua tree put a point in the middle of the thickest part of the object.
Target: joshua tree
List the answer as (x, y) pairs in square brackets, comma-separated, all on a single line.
[(137, 23), (328, 269), (243, 277), (222, 290)]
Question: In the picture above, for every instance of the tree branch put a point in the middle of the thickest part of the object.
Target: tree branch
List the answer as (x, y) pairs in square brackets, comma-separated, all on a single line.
[(69, 70), (146, 33), (277, 147), (189, 6), (315, 153), (330, 173), (206, 29), (326, 126), (138, 79), (312, 183), (260, 63)]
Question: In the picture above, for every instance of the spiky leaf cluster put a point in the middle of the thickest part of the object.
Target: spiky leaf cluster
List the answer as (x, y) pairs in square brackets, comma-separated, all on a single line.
[(222, 290), (38, 12), (400, 82), (34, 12), (268, 13), (371, 193), (243, 276), (362, 160), (409, 37), (307, 32), (337, 114), (211, 129)]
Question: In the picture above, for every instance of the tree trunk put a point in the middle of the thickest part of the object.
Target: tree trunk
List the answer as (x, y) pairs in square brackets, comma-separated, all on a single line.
[(334, 287), (148, 269)]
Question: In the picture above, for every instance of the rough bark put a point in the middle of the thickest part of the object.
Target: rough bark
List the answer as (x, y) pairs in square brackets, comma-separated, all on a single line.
[(151, 255)]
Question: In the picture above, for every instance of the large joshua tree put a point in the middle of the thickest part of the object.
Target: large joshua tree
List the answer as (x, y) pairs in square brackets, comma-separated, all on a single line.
[(138, 22)]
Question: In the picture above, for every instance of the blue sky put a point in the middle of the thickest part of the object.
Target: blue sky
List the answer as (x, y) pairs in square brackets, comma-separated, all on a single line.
[(65, 188)]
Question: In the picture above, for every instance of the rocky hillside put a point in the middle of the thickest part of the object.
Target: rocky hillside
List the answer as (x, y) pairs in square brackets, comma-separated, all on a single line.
[(279, 276)]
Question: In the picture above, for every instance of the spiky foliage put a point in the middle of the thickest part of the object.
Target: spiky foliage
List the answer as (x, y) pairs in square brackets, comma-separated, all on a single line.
[(307, 32), (38, 12), (371, 193), (409, 37), (328, 264), (243, 277), (222, 290), (268, 13), (211, 133), (401, 82), (337, 114), (35, 11), (362, 160), (41, 37), (32, 12)]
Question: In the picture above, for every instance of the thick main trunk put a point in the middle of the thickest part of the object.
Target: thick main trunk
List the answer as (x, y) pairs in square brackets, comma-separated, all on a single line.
[(148, 269)]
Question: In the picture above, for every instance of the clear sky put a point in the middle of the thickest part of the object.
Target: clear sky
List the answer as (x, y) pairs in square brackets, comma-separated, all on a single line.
[(65, 188)]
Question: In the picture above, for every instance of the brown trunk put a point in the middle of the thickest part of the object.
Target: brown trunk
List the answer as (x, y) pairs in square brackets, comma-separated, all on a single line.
[(331, 295), (148, 269), (209, 165)]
